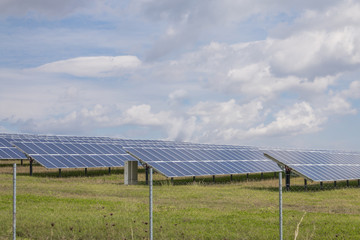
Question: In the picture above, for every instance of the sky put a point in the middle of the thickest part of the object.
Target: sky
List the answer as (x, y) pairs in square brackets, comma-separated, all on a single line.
[(263, 73)]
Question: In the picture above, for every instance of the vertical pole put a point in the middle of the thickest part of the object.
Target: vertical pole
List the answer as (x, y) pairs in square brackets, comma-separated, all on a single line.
[(280, 207), (172, 181), (21, 162), (147, 175), (262, 176), (321, 185), (305, 184), (109, 170), (231, 178), (85, 171), (247, 176), (193, 178), (59, 172), (14, 203), (334, 183), (213, 178), (287, 178), (347, 183), (31, 161), (151, 204)]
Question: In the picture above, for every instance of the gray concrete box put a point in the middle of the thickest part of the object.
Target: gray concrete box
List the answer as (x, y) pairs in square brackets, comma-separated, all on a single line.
[(131, 173)]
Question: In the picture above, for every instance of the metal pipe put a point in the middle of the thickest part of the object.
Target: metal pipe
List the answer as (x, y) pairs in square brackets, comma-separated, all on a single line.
[(151, 204), (14, 202), (305, 184), (280, 207), (31, 167)]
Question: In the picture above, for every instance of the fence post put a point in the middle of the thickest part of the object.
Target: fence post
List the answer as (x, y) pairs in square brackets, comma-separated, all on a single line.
[(151, 203), (14, 202), (280, 207)]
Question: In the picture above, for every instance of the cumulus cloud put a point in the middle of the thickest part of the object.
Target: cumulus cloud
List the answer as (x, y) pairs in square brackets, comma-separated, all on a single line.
[(297, 119), (353, 92), (92, 66)]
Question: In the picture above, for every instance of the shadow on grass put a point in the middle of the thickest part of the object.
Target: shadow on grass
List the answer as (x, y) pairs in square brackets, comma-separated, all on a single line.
[(209, 180), (65, 173), (313, 187)]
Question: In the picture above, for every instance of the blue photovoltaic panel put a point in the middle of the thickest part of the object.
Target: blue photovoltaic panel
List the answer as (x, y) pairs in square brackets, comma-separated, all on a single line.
[(319, 165), (202, 161), (75, 155), (8, 151)]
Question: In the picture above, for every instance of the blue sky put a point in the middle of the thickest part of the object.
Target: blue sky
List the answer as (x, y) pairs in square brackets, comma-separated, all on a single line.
[(265, 73)]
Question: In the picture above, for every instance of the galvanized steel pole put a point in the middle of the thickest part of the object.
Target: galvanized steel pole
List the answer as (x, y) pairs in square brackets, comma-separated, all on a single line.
[(280, 206), (151, 203), (14, 202)]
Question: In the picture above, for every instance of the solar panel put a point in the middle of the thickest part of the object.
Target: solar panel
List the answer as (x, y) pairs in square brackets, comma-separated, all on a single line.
[(319, 165), (75, 155), (7, 151), (202, 161)]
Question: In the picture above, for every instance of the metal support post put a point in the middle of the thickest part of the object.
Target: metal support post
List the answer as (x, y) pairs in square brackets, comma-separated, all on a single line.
[(231, 177), (31, 167), (287, 178), (172, 181), (247, 176), (21, 162), (213, 178), (334, 183), (147, 175), (305, 184), (85, 171), (280, 207), (151, 204), (193, 178), (109, 170), (321, 185), (14, 202), (59, 172), (262, 176)]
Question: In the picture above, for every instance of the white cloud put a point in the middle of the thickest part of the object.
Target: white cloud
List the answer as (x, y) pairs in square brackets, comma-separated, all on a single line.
[(298, 119), (92, 66), (353, 91)]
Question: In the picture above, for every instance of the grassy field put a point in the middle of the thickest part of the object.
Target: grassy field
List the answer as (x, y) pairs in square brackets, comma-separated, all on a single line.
[(99, 206)]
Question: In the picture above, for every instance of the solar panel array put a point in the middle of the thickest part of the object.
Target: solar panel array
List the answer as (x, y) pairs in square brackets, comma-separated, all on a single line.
[(75, 155), (319, 165), (201, 160), (173, 159), (8, 151)]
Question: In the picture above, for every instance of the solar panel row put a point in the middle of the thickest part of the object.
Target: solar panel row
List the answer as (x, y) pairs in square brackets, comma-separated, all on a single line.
[(174, 162), (319, 165)]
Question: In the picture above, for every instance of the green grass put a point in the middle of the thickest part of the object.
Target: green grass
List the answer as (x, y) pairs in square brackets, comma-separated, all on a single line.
[(99, 206)]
